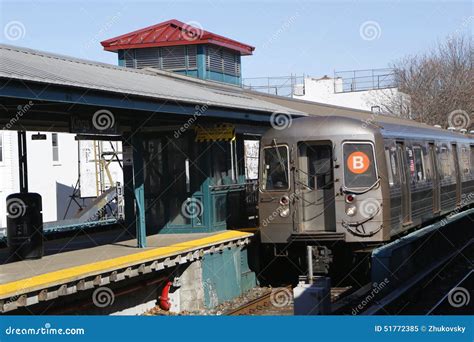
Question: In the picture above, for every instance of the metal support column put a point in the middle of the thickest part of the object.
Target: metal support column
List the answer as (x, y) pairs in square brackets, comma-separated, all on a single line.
[(22, 162), (139, 188), (128, 188)]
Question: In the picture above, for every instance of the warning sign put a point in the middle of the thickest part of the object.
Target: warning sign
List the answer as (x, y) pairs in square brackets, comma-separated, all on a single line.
[(223, 132), (358, 162)]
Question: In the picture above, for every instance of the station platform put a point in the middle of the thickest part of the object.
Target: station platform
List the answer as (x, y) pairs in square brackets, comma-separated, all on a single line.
[(67, 269)]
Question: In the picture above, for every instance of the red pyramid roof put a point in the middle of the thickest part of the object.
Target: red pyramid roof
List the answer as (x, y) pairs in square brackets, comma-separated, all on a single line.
[(170, 33)]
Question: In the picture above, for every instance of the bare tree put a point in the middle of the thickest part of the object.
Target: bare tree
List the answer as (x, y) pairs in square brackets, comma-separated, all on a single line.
[(439, 85)]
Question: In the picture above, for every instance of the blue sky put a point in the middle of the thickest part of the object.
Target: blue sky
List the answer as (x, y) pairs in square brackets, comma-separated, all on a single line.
[(291, 37)]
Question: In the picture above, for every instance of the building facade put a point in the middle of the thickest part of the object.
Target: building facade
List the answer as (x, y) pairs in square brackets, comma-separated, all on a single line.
[(53, 171)]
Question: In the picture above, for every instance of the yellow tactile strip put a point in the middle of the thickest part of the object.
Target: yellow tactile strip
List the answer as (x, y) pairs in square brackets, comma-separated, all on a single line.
[(74, 273)]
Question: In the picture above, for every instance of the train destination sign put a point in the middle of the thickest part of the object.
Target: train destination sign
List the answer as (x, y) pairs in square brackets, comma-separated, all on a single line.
[(358, 162)]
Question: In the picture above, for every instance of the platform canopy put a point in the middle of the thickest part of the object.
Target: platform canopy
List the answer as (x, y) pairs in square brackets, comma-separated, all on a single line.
[(61, 86), (171, 33)]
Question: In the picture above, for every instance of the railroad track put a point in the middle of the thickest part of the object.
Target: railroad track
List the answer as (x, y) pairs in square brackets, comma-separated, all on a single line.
[(275, 299), (279, 301)]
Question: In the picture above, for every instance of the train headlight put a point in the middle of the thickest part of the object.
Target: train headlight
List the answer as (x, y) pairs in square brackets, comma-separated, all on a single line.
[(285, 212), (351, 210)]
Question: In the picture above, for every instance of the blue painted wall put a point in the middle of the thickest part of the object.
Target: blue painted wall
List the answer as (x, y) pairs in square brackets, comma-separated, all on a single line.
[(201, 71)]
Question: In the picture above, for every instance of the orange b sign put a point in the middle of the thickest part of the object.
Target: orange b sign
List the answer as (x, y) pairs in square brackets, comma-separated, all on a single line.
[(358, 162)]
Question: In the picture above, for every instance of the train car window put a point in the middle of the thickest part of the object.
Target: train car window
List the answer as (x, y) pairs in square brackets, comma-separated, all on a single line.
[(411, 161), (419, 169), (392, 165), (359, 170), (428, 165), (275, 169), (465, 168), (444, 161), (320, 166), (472, 159)]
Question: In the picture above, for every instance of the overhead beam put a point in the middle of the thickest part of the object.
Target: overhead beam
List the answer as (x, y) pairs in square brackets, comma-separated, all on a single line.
[(81, 96)]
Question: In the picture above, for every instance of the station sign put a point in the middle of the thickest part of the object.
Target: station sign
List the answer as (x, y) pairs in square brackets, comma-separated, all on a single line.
[(223, 132), (84, 125)]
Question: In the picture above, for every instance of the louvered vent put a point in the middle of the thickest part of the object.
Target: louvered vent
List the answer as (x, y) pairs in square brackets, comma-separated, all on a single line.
[(129, 57), (174, 58), (192, 57), (214, 59), (229, 62), (149, 57), (223, 61)]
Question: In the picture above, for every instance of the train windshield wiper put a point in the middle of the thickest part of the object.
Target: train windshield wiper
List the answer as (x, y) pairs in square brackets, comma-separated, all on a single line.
[(361, 192)]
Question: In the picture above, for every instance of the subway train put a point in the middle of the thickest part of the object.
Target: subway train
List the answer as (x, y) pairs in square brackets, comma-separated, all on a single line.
[(332, 180)]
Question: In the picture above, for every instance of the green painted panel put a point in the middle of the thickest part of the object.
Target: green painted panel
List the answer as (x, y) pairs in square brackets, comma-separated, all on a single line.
[(226, 275)]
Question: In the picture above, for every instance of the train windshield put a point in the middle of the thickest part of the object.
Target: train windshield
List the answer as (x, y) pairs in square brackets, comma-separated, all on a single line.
[(359, 171), (275, 169)]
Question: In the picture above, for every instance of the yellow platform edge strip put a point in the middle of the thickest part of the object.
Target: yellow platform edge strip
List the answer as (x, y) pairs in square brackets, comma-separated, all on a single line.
[(70, 274)]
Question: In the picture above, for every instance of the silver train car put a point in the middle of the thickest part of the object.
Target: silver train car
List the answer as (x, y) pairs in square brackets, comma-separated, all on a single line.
[(329, 178)]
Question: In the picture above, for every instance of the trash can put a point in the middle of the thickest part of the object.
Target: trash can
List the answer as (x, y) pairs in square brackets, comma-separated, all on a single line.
[(25, 226)]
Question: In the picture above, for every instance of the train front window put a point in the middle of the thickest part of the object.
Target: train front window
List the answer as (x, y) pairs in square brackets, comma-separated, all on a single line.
[(275, 169), (359, 162)]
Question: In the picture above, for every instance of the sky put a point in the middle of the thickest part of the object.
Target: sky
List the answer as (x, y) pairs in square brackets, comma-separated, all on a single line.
[(313, 38)]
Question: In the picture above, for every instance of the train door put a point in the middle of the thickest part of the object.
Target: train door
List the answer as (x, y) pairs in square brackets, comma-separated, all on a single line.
[(435, 180), (457, 171), (405, 183), (316, 186)]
